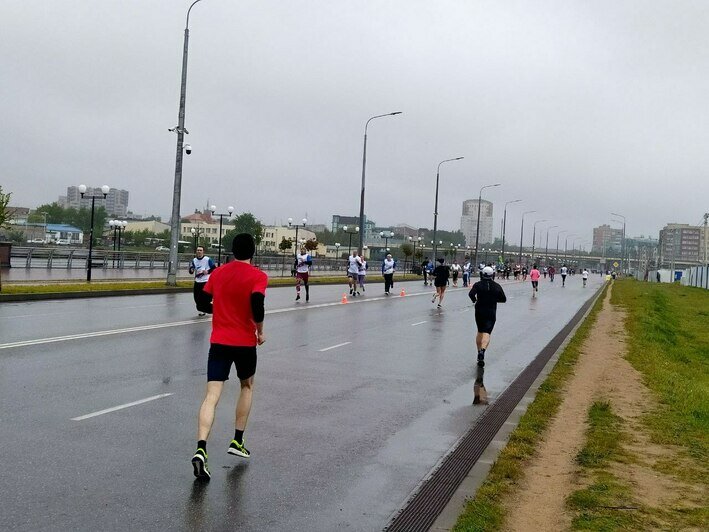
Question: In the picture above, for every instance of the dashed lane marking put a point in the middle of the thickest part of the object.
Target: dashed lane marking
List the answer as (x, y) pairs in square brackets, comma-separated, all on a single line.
[(120, 407), (334, 346)]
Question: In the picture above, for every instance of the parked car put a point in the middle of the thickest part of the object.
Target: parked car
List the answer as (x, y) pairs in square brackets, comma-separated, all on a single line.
[(63, 242), (162, 248), (36, 241)]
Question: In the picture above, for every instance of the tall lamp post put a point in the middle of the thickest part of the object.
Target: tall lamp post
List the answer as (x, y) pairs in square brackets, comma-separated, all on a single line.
[(297, 226), (557, 244), (364, 167), (435, 206), (546, 252), (228, 214), (93, 197), (504, 226), (566, 241), (521, 236), (117, 226), (353, 232), (477, 229), (386, 235), (337, 250), (534, 237), (622, 247), (177, 188), (196, 233)]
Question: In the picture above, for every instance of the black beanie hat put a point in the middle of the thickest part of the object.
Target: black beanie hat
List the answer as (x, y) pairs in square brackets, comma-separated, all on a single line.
[(243, 246)]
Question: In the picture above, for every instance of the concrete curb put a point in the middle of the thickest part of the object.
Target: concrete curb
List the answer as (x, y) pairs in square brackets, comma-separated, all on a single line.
[(477, 475)]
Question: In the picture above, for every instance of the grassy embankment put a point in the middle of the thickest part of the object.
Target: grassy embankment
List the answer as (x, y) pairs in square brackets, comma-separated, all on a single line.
[(485, 510), (47, 287), (668, 343)]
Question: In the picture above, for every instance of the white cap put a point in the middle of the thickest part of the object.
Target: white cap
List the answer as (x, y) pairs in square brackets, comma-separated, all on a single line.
[(488, 271)]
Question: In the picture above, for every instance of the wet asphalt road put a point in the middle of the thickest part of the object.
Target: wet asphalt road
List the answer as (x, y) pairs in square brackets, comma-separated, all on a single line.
[(340, 435)]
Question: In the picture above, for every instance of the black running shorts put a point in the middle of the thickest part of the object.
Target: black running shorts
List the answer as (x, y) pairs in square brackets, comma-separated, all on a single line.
[(221, 357), (535, 284), (485, 320)]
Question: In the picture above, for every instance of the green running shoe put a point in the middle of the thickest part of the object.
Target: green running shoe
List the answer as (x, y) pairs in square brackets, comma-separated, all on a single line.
[(199, 464), (238, 449)]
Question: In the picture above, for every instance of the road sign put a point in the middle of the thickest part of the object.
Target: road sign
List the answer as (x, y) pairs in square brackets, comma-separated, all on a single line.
[(615, 264)]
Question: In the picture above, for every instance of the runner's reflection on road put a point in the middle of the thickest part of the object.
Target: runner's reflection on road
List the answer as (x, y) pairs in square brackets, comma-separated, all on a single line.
[(479, 391)]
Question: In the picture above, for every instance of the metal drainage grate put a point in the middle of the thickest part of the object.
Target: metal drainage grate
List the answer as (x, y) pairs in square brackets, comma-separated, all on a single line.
[(422, 509)]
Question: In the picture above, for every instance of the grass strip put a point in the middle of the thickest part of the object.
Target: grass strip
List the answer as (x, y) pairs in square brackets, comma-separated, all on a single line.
[(109, 286), (485, 510), (668, 343), (607, 503)]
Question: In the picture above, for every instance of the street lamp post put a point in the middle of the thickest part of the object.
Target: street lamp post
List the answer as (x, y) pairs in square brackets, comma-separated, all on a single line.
[(337, 249), (566, 241), (177, 188), (477, 228), (435, 206), (386, 236), (196, 234), (534, 237), (228, 214), (364, 167), (622, 247), (356, 230), (104, 192), (504, 226), (557, 245), (521, 236), (117, 226), (297, 226), (546, 251)]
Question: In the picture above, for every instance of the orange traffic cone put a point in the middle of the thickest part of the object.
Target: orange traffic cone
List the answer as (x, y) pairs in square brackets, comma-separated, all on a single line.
[(344, 299), (403, 292)]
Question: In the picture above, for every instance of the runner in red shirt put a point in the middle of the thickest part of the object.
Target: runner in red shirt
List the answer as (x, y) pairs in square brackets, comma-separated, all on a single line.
[(534, 275), (238, 290)]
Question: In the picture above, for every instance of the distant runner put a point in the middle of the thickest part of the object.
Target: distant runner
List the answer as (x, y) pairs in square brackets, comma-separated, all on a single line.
[(552, 271), (388, 269), (455, 272), (584, 276), (534, 276), (564, 271), (362, 274), (354, 263), (201, 266), (441, 275), (302, 272)]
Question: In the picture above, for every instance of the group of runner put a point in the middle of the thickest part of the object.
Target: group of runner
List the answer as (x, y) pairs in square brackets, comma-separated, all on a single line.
[(235, 292)]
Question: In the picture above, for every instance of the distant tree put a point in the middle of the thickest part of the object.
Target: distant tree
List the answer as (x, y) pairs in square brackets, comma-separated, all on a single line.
[(4, 214), (407, 249), (311, 244), (4, 211), (245, 223), (285, 244)]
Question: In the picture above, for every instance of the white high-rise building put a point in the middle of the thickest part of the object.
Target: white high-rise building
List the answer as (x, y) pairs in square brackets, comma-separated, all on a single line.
[(469, 220), (116, 203)]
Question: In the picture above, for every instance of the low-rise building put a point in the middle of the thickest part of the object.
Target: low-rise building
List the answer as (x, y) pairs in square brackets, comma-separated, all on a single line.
[(274, 234)]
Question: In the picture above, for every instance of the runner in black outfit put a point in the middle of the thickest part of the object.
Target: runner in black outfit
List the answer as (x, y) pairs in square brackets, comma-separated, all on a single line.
[(486, 294)]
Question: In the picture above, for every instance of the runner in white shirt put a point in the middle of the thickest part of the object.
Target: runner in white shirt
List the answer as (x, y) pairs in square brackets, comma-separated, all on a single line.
[(302, 272), (362, 272), (564, 271), (353, 263), (466, 272), (455, 272), (584, 276), (201, 266)]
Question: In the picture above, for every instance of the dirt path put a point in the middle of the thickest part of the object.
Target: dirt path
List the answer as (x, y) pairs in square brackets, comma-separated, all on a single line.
[(601, 373)]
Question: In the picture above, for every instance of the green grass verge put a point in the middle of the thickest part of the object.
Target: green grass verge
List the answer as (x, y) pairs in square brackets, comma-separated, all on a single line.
[(668, 343), (668, 328), (485, 510), (64, 287), (606, 504)]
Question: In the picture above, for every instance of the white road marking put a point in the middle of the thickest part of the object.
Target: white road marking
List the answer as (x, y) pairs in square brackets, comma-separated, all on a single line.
[(51, 340), (120, 407), (334, 346), (54, 339), (418, 323)]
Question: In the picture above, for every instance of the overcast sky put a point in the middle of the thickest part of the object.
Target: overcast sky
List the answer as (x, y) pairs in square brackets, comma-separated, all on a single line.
[(579, 108)]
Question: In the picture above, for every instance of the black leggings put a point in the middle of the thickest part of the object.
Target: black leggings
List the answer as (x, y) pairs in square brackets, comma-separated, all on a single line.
[(202, 299), (388, 281)]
